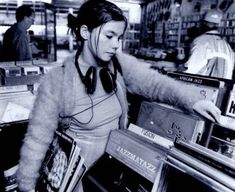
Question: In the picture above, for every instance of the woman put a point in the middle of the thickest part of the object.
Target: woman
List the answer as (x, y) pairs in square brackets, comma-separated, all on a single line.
[(89, 92)]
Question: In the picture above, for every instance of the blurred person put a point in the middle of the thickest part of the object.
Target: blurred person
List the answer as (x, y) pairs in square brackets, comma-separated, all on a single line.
[(210, 53), (16, 45), (87, 95)]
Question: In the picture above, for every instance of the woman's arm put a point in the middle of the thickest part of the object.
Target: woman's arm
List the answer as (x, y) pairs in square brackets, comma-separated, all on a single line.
[(40, 132), (144, 81)]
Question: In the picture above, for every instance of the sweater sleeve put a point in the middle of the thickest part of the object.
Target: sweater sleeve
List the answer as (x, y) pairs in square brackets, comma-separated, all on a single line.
[(142, 80), (40, 131)]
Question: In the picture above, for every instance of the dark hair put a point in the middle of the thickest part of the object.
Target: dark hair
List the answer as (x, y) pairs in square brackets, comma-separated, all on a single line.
[(23, 11), (208, 26), (94, 13)]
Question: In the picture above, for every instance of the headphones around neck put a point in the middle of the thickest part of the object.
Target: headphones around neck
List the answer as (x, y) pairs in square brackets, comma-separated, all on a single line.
[(108, 79)]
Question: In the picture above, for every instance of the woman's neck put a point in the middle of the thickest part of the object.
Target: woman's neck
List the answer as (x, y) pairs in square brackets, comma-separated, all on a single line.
[(86, 58)]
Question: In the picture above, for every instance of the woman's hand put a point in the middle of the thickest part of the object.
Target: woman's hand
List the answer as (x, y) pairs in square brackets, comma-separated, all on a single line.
[(208, 110)]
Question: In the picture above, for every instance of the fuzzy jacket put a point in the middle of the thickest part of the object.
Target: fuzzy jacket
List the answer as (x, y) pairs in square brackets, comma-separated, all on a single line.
[(56, 98)]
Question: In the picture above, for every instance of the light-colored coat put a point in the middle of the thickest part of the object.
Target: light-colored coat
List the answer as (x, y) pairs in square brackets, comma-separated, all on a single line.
[(211, 56)]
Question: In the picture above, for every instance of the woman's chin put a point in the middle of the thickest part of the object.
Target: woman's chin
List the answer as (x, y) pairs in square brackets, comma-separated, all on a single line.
[(103, 62), (105, 59)]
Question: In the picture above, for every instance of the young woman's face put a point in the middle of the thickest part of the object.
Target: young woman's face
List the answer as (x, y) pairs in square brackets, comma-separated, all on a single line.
[(105, 40)]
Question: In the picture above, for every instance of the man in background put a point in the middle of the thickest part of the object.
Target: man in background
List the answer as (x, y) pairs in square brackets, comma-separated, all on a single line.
[(16, 41), (210, 54)]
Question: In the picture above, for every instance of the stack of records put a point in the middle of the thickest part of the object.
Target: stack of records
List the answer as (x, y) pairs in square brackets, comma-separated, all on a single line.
[(63, 166), (169, 122)]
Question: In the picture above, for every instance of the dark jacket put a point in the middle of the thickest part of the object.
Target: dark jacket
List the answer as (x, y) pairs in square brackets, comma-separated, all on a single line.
[(16, 44)]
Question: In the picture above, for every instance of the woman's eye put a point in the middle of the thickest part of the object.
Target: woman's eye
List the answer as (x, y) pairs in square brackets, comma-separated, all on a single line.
[(109, 36)]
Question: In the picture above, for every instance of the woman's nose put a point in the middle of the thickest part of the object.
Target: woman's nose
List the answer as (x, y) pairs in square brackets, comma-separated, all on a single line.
[(116, 43)]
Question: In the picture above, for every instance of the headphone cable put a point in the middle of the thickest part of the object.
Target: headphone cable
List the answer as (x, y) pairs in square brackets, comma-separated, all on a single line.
[(91, 107)]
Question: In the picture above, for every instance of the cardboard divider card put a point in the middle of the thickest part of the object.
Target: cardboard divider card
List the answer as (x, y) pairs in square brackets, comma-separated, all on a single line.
[(227, 122), (12, 89), (45, 68), (230, 110), (15, 112), (16, 105), (169, 122), (140, 156), (152, 137), (10, 71), (207, 87), (10, 179), (217, 167)]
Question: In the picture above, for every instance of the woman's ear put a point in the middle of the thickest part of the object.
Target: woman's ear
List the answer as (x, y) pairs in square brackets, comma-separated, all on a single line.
[(84, 32)]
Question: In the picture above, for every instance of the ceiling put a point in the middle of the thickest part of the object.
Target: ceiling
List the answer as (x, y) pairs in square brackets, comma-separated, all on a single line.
[(77, 3), (129, 1), (68, 3)]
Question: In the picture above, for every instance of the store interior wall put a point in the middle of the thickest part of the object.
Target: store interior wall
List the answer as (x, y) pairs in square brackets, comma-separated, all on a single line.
[(195, 6), (134, 13)]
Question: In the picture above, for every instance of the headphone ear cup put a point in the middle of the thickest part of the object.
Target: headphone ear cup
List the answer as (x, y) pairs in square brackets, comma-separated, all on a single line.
[(108, 80), (90, 80)]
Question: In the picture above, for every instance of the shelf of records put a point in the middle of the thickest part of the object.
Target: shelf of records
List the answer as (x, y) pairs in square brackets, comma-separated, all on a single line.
[(193, 145), (18, 87), (163, 138), (137, 159)]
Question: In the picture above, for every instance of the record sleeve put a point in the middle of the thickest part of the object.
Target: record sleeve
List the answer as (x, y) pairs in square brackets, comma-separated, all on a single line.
[(61, 162), (207, 88), (169, 122)]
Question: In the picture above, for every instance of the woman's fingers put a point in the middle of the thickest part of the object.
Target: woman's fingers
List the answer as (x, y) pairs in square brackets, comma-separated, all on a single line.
[(208, 110), (207, 115), (215, 112)]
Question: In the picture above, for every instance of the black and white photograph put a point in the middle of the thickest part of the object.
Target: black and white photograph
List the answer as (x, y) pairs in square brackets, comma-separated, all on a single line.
[(117, 95)]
